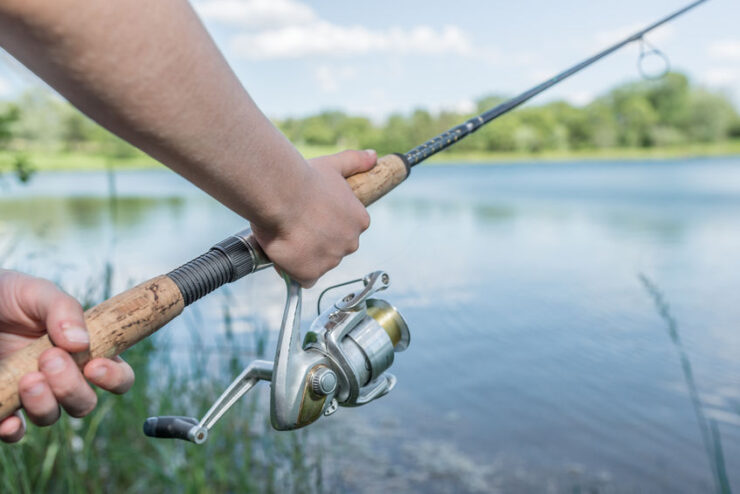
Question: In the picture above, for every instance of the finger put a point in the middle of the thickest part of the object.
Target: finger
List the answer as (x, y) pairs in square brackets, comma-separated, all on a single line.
[(37, 399), (60, 314), (351, 162), (113, 375), (12, 428), (66, 382)]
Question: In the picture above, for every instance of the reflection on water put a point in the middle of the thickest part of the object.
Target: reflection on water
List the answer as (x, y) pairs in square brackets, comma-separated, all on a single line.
[(536, 362)]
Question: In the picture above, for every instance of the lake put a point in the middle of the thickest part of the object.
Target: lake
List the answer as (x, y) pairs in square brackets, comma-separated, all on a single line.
[(575, 326)]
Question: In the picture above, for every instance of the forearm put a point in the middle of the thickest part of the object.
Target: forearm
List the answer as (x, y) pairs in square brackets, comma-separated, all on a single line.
[(149, 72)]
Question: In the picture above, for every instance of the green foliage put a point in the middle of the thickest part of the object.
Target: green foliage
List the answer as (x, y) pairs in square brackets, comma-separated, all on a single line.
[(18, 162), (107, 451), (666, 113), (8, 116), (50, 124)]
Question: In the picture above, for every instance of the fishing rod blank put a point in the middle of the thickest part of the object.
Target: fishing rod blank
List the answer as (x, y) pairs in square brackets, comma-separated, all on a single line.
[(453, 135)]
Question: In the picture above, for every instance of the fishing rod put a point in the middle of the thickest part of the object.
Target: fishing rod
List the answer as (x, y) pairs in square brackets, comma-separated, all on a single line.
[(343, 357)]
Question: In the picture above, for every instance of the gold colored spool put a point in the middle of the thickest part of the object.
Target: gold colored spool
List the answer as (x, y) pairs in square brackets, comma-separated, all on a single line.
[(391, 321)]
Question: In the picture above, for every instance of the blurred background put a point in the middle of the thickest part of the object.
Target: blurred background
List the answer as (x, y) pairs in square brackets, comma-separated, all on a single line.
[(569, 273)]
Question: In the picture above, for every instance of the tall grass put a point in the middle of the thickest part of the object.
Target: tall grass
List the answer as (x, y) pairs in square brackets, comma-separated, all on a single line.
[(707, 427), (107, 451)]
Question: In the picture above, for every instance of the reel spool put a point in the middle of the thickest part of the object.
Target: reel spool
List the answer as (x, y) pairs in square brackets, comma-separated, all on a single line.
[(342, 362)]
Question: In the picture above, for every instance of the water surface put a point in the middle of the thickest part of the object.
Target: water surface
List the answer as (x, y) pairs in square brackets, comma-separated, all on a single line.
[(538, 359)]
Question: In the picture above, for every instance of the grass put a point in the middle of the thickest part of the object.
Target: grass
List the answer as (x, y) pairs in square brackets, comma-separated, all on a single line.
[(87, 161), (107, 451), (78, 161), (728, 148), (707, 427)]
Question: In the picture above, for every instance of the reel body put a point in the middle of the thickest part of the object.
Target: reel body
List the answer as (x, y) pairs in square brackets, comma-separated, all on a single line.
[(342, 361)]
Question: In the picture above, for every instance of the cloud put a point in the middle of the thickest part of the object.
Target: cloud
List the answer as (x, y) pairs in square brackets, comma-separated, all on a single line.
[(722, 76), (256, 14), (580, 98), (728, 49), (329, 78), (322, 38), (289, 29)]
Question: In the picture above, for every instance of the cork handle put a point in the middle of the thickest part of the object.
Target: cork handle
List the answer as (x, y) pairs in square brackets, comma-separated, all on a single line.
[(114, 325), (381, 179)]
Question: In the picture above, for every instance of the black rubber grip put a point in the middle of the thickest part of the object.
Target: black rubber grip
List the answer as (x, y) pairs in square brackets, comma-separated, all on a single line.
[(169, 427), (227, 261)]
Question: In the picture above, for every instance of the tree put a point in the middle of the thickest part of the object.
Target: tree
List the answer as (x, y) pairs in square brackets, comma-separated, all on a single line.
[(710, 116)]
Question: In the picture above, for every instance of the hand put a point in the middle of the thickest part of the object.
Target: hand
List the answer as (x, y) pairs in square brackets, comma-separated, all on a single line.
[(30, 307), (327, 219)]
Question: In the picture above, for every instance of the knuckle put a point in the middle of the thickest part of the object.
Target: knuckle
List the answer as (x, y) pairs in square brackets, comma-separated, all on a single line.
[(353, 246), (66, 390), (84, 407), (66, 302), (45, 418), (365, 222), (124, 383), (348, 155)]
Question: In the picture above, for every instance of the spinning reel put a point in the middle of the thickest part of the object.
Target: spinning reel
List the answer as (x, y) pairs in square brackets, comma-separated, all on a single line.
[(341, 362)]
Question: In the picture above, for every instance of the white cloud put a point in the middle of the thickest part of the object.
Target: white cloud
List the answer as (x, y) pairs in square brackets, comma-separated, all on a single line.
[(723, 76), (330, 78), (465, 106), (325, 39), (284, 29), (580, 98), (728, 49), (255, 14)]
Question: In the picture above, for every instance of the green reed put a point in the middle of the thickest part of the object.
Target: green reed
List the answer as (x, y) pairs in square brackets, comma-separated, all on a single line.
[(707, 427), (108, 452)]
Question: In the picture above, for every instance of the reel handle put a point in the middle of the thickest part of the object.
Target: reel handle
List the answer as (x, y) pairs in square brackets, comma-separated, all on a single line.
[(121, 321)]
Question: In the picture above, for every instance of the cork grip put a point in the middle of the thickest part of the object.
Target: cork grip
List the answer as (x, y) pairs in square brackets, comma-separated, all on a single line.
[(381, 179), (114, 325)]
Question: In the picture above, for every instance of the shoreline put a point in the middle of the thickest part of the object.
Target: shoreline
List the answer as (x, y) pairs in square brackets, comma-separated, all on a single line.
[(44, 161)]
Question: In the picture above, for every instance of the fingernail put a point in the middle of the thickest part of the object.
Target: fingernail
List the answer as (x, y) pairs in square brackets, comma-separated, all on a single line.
[(53, 366), (76, 334), (98, 372), (35, 390), (371, 152)]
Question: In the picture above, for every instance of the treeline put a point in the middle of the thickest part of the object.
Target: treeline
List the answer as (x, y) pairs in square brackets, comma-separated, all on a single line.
[(40, 121), (666, 112)]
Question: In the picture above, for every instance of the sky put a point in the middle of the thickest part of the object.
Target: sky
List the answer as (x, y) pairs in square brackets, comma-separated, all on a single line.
[(299, 57)]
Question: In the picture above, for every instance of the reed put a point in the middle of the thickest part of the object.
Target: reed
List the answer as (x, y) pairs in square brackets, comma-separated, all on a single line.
[(107, 451)]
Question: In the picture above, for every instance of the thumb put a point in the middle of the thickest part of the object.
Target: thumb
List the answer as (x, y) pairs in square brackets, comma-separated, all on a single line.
[(350, 162), (47, 306)]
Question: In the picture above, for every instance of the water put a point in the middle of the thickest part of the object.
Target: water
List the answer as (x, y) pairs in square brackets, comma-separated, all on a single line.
[(538, 361)]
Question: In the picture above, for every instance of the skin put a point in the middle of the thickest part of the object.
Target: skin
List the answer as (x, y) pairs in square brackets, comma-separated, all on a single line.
[(29, 308), (150, 73)]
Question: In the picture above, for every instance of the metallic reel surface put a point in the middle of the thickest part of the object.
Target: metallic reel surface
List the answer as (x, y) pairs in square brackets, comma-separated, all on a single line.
[(342, 361)]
